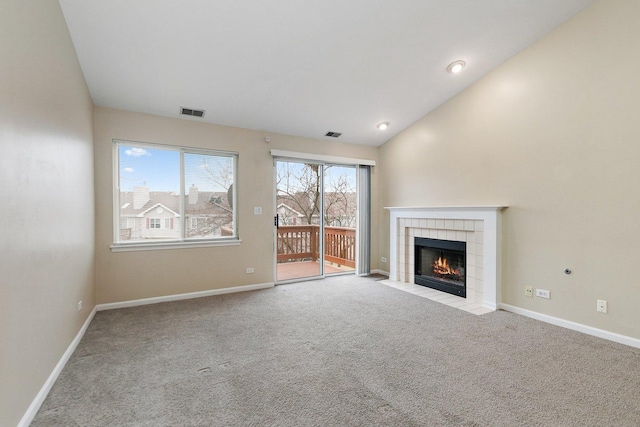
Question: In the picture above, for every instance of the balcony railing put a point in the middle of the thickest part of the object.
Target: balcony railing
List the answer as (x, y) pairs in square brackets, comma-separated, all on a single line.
[(301, 242)]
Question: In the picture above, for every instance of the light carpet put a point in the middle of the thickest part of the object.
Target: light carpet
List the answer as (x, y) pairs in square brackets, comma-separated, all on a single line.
[(345, 351)]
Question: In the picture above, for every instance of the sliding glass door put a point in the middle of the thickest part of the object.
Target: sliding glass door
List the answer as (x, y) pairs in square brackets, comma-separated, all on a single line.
[(298, 220), (340, 218), (316, 219)]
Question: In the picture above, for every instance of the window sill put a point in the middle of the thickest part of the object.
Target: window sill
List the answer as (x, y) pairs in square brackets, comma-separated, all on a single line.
[(134, 247)]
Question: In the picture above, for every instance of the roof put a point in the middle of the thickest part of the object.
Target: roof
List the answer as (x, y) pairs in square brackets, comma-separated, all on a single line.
[(208, 203)]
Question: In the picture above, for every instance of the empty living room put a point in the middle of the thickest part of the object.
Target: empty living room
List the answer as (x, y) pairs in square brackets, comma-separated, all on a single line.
[(332, 213)]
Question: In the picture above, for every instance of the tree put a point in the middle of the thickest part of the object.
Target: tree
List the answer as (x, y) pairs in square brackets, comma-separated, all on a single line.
[(299, 187)]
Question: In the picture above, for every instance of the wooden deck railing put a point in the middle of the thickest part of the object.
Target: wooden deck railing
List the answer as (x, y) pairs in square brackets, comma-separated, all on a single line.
[(299, 242)]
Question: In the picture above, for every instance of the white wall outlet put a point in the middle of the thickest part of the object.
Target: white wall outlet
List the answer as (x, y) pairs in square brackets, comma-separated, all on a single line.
[(383, 259), (543, 293), (601, 306), (528, 291), (257, 210), (79, 305), (249, 270)]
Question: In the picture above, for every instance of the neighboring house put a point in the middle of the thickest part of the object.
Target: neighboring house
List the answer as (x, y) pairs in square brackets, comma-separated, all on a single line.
[(289, 216), (147, 215)]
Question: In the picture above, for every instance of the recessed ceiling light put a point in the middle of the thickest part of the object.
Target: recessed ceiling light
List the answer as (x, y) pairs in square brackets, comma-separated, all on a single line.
[(383, 125), (456, 67)]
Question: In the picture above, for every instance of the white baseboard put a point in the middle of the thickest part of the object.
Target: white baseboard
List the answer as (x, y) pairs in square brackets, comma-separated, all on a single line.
[(46, 388), (178, 297), (600, 333), (384, 273)]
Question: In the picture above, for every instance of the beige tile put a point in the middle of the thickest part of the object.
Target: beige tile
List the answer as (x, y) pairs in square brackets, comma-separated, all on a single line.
[(440, 224), (470, 307), (431, 223), (460, 302), (471, 261), (440, 297), (471, 282), (471, 273), (471, 249), (461, 236), (481, 310), (469, 225), (479, 236), (451, 300), (458, 224), (423, 223), (479, 249), (479, 226), (433, 234), (442, 234), (471, 236), (451, 235), (429, 292), (415, 222), (449, 224)]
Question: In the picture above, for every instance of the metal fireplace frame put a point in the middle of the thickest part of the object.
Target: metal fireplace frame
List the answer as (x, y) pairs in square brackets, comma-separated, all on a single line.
[(433, 283)]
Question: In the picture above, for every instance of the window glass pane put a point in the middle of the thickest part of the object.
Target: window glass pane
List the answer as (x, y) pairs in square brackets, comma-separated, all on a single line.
[(149, 180), (208, 195)]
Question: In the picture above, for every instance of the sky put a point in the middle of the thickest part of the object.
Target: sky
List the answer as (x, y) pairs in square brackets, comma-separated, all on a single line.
[(159, 170)]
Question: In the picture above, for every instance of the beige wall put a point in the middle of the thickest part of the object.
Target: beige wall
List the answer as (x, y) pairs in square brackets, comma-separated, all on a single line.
[(47, 209), (552, 133), (127, 276)]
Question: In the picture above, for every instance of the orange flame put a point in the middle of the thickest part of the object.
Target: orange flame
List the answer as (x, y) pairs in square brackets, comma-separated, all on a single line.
[(441, 267)]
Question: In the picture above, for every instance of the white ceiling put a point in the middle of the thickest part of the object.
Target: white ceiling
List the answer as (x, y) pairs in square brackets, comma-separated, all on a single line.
[(299, 67)]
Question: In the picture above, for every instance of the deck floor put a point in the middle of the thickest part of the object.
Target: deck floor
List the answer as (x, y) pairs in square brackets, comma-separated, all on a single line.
[(301, 269)]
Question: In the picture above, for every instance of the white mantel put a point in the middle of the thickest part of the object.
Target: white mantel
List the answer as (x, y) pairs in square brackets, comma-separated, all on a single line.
[(477, 225)]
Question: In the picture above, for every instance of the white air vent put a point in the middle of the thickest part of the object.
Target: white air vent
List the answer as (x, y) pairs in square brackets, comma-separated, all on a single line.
[(191, 112), (333, 134)]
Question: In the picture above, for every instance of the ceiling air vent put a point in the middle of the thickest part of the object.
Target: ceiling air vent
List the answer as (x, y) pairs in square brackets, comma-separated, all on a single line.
[(333, 134), (191, 112)]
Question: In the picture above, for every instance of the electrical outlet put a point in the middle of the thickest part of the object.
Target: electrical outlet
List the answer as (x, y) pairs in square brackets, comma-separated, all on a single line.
[(79, 305), (249, 270), (601, 306), (528, 291), (543, 294), (257, 210), (383, 259)]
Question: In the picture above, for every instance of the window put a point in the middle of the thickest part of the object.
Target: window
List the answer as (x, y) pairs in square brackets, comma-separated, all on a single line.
[(170, 195)]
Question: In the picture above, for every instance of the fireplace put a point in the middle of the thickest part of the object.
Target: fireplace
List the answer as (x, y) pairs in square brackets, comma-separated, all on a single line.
[(440, 264)]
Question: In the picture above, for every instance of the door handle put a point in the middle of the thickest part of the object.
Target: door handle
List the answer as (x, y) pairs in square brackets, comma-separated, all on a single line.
[(275, 221)]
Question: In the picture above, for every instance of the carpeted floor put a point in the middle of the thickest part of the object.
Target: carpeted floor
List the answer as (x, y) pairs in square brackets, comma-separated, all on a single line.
[(344, 351)]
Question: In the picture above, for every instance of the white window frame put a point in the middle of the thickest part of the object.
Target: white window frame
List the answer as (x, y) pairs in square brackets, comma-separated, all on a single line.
[(182, 241)]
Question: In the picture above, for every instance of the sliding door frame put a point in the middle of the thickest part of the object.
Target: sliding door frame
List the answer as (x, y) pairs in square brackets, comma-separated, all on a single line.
[(363, 209)]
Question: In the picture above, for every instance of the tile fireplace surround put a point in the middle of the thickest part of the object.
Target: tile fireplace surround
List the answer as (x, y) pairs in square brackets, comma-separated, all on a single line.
[(478, 226)]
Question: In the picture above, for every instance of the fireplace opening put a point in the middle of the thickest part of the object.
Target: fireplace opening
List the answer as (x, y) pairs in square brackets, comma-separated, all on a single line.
[(440, 264)]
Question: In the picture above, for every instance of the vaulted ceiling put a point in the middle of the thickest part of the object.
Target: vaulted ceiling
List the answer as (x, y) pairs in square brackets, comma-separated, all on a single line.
[(299, 67)]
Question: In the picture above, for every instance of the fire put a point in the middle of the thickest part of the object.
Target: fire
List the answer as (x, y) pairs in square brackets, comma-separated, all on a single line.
[(441, 267)]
